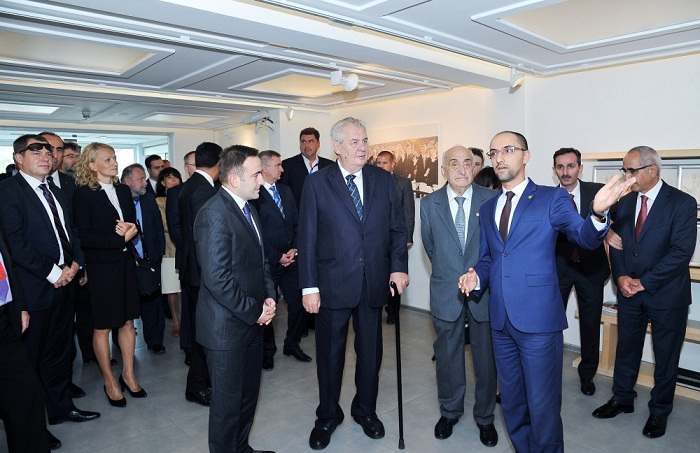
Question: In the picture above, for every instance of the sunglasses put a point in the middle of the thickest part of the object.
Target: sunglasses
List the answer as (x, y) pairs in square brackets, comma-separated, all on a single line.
[(34, 147)]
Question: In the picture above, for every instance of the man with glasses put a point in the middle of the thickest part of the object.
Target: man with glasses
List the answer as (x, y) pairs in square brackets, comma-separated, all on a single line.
[(71, 153), (517, 263), (584, 270), (451, 235), (657, 225)]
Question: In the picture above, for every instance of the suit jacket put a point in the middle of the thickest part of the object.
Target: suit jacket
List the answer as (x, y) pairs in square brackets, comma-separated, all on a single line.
[(661, 256), (32, 238), (337, 250), (235, 275), (18, 304), (448, 258), (295, 173), (172, 216), (195, 192), (153, 231), (522, 273), (96, 217), (149, 188), (404, 191), (67, 185), (593, 262), (279, 233)]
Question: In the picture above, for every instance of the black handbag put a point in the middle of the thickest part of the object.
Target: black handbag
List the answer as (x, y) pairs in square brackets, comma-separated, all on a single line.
[(147, 278)]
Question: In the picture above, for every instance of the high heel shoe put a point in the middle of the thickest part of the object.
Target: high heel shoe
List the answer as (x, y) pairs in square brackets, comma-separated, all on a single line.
[(176, 331), (115, 403), (140, 394)]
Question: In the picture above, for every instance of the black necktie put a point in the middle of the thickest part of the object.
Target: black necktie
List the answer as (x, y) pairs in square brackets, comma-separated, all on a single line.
[(505, 217), (575, 255), (64, 242)]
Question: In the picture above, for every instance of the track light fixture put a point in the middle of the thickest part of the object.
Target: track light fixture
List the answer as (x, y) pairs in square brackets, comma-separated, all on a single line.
[(349, 82), (290, 112), (516, 79)]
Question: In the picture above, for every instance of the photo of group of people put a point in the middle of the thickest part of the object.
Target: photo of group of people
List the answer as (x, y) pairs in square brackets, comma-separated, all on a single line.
[(416, 159)]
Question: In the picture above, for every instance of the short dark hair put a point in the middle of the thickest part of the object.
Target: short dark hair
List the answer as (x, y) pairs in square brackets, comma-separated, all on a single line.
[(477, 152), (562, 151), (151, 158), (20, 144), (310, 131), (207, 155), (169, 171), (487, 178), (520, 137), (52, 134), (388, 154), (129, 170), (232, 159), (72, 145)]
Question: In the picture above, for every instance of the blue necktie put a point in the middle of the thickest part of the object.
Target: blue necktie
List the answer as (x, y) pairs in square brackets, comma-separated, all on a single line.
[(460, 220), (246, 211), (355, 194), (139, 219), (276, 197)]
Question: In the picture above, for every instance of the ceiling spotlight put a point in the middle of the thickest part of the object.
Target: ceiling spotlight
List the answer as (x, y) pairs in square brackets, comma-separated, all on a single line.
[(516, 79), (349, 82), (290, 112)]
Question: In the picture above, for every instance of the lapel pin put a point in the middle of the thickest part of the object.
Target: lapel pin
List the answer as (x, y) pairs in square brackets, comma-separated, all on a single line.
[(530, 197)]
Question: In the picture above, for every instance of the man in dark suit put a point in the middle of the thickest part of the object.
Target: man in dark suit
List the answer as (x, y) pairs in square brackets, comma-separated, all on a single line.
[(404, 193), (236, 298), (278, 214), (154, 165), (450, 232), (517, 261), (69, 161), (153, 247), (657, 225), (352, 243), (297, 168), (585, 270), (47, 254), (195, 192), (21, 395), (83, 325)]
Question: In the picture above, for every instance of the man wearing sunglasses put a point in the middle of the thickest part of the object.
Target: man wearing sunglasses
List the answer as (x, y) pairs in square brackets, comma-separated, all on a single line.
[(519, 228), (37, 220)]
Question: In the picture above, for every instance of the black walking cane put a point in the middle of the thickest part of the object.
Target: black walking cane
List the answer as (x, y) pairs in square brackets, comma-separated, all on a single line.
[(397, 304)]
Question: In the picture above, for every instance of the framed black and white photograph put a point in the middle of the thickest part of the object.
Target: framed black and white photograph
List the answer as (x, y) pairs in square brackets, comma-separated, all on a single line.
[(690, 180)]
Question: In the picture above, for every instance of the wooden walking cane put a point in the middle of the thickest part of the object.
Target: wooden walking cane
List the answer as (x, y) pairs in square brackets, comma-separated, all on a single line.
[(397, 304)]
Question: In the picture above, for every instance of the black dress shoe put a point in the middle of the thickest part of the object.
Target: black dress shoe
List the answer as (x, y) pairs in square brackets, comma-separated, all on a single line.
[(75, 391), (443, 428), (488, 434), (188, 357), (202, 397), (268, 363), (321, 434), (498, 398), (297, 354), (263, 451), (157, 349), (372, 426), (140, 394), (54, 443), (611, 409), (655, 427), (115, 403), (76, 415), (587, 387)]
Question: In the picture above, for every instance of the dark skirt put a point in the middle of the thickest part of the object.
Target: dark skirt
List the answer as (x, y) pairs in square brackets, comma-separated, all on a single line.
[(113, 292)]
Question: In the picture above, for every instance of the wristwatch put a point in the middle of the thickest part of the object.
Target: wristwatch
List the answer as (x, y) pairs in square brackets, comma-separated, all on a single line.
[(600, 217)]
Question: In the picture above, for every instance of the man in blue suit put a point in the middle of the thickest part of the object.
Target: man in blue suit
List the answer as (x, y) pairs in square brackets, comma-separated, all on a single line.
[(450, 231), (657, 224), (517, 262), (352, 242)]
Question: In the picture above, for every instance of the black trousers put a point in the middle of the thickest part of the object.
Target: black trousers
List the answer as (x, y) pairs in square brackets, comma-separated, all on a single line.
[(21, 395), (287, 279), (589, 294), (198, 374), (153, 319), (48, 344), (84, 326)]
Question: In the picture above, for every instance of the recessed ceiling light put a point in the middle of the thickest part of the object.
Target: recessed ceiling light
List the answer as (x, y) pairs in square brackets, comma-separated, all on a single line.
[(26, 108)]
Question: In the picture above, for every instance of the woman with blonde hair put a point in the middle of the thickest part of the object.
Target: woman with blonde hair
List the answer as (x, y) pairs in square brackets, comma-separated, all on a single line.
[(105, 216)]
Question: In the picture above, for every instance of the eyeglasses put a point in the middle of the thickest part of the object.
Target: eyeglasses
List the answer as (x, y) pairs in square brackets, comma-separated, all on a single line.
[(633, 171), (35, 147), (506, 151)]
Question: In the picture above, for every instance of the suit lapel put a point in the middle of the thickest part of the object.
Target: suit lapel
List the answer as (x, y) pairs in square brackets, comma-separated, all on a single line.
[(523, 203), (369, 184), (238, 213), (473, 219), (442, 203), (267, 198), (34, 200), (336, 180), (657, 212)]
